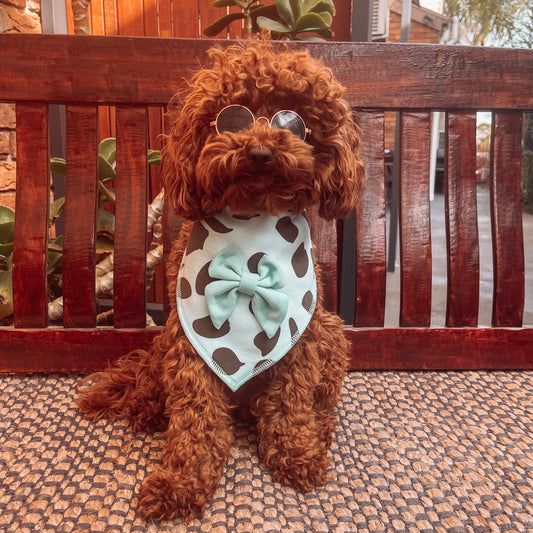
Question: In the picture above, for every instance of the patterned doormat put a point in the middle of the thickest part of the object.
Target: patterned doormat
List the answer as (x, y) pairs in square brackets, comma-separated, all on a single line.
[(415, 452)]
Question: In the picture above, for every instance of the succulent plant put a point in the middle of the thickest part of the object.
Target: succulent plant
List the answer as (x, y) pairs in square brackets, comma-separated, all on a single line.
[(286, 19)]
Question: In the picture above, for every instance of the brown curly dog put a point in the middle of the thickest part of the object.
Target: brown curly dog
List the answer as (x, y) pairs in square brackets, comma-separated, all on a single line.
[(260, 138)]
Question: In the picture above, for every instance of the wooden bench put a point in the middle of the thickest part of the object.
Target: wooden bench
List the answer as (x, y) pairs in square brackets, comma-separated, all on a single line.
[(136, 74)]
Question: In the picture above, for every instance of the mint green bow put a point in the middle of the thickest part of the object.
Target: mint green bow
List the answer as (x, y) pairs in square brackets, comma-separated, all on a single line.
[(232, 277)]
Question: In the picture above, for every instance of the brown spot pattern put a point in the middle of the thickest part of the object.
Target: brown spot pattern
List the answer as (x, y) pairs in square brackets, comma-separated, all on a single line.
[(205, 328), (307, 300), (293, 327), (265, 344), (217, 226), (197, 238), (287, 229), (254, 261), (185, 288), (203, 279), (300, 261), (227, 360)]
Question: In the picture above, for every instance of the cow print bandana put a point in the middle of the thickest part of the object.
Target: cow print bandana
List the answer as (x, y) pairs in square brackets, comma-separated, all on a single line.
[(246, 290)]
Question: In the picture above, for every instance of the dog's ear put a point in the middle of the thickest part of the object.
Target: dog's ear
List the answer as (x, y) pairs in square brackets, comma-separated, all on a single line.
[(180, 154), (343, 175)]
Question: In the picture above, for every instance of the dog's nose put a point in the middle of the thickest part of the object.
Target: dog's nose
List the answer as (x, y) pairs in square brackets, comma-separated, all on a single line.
[(260, 156)]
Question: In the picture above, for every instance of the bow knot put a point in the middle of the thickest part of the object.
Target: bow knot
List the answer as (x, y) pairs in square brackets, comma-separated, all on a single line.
[(232, 277)]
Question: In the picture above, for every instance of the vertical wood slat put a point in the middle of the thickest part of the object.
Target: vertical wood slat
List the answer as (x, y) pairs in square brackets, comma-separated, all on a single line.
[(461, 220), (371, 273), (131, 214), (324, 235), (80, 217), (185, 19), (130, 16), (30, 239), (506, 219), (415, 221)]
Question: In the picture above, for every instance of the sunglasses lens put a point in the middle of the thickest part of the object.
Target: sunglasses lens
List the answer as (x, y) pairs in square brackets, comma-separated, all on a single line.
[(234, 118), (289, 120)]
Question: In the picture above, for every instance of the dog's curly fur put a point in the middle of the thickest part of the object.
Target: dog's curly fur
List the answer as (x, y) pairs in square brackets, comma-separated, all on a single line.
[(171, 388)]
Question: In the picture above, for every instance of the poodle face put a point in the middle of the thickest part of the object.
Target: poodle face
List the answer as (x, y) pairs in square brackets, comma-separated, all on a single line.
[(258, 166)]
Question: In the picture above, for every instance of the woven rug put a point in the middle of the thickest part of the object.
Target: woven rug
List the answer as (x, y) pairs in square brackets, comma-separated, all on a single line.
[(428, 452)]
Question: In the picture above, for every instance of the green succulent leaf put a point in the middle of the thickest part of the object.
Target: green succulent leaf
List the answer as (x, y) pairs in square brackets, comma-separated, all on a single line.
[(6, 294), (107, 195), (328, 19), (268, 11), (104, 244), (307, 5), (56, 245), (220, 24), (58, 165), (108, 149), (6, 214), (312, 38), (56, 208), (324, 6), (5, 250), (106, 172), (6, 233), (285, 11), (7, 225), (154, 157), (310, 22), (273, 25), (297, 8), (105, 223)]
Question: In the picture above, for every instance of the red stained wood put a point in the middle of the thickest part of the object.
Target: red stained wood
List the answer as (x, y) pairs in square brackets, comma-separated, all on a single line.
[(324, 235), (130, 17), (185, 21), (73, 350), (371, 275), (68, 350), (383, 75), (461, 220), (80, 213), (440, 348), (131, 215), (506, 214), (415, 220), (31, 219)]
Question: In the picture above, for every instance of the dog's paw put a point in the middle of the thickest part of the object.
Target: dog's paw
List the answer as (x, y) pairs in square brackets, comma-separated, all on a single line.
[(164, 496), (303, 474)]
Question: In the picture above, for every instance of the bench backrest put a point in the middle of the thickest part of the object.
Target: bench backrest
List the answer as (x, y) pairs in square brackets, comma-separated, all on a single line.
[(138, 74)]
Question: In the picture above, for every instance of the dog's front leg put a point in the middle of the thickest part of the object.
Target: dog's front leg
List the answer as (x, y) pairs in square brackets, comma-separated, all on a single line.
[(199, 439), (291, 440)]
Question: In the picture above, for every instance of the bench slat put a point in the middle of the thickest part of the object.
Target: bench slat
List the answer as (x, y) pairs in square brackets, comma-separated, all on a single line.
[(86, 350), (371, 271), (150, 70), (30, 238), (506, 214), (415, 220), (461, 220), (131, 215), (324, 235), (440, 348), (80, 217)]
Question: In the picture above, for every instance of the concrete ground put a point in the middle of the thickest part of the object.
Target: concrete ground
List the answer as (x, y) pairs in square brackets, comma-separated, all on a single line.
[(438, 235)]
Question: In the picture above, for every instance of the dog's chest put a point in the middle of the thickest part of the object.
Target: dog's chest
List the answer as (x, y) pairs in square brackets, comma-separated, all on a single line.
[(246, 291)]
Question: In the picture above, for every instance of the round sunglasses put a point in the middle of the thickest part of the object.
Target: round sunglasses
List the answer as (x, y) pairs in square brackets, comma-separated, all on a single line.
[(235, 118)]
